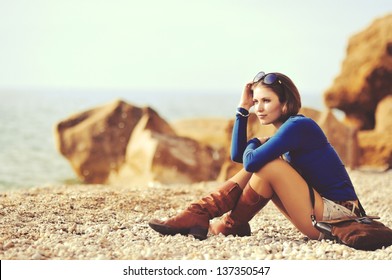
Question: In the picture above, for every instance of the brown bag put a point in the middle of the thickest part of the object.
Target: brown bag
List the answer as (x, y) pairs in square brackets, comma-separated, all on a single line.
[(363, 233)]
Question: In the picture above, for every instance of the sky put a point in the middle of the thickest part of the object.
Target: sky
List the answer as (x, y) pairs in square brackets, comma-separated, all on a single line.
[(209, 45)]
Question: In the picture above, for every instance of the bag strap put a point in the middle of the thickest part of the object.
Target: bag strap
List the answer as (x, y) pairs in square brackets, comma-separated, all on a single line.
[(361, 209), (312, 200)]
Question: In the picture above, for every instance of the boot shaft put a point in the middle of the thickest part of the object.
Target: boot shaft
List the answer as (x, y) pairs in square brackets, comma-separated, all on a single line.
[(237, 221), (195, 219), (248, 205), (219, 202)]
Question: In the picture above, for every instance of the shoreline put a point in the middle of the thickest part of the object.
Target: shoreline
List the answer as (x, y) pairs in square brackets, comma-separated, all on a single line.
[(101, 222)]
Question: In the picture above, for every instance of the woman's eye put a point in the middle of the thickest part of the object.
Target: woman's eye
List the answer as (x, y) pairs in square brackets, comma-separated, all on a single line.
[(255, 101), (266, 100)]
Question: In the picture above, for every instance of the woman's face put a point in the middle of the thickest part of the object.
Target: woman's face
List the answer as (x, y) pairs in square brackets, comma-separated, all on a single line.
[(267, 106)]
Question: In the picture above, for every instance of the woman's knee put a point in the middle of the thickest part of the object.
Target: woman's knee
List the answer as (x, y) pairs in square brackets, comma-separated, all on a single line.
[(277, 165), (241, 178), (313, 234)]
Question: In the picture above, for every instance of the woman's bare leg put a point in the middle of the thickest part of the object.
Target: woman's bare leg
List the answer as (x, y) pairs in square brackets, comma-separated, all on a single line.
[(275, 199), (280, 179), (241, 178)]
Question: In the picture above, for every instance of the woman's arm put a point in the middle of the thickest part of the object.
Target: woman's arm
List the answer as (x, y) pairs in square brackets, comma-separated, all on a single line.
[(287, 138), (239, 138), (239, 134)]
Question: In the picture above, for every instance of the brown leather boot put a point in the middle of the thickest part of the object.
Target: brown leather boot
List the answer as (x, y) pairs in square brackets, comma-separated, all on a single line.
[(237, 221), (195, 220)]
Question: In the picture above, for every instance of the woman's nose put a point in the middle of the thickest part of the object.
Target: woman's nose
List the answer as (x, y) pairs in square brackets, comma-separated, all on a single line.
[(259, 107)]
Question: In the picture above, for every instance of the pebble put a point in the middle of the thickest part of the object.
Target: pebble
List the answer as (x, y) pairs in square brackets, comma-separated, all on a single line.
[(86, 231), (105, 229), (8, 245), (38, 256), (72, 228)]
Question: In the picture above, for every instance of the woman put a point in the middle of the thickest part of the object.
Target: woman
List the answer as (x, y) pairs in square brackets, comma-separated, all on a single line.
[(277, 168)]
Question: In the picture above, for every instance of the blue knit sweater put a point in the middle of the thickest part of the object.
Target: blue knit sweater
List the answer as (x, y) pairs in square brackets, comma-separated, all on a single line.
[(305, 147)]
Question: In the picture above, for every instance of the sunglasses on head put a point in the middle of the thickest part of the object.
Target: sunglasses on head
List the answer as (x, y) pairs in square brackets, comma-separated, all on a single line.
[(267, 79)]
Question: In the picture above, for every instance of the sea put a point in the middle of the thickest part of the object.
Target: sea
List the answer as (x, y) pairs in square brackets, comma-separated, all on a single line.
[(28, 154)]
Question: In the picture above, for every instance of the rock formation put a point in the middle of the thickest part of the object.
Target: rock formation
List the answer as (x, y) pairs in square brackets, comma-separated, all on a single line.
[(376, 145), (384, 115), (120, 142), (153, 155), (366, 75), (95, 141), (363, 92)]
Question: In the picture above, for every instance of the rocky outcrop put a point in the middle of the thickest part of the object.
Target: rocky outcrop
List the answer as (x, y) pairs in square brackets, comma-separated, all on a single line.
[(154, 155), (376, 145), (366, 75), (363, 92), (204, 130), (95, 141), (384, 115), (375, 150), (121, 142)]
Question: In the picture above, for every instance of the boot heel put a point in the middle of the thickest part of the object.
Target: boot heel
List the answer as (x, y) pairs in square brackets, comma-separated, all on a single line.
[(199, 232)]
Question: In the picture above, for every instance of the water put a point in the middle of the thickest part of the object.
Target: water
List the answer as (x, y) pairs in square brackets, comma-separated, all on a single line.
[(28, 156)]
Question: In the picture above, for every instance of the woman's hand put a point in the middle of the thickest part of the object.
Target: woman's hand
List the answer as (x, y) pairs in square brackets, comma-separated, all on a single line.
[(246, 101)]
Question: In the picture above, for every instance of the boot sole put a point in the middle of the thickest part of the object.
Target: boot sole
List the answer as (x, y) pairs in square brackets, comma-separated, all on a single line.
[(197, 232)]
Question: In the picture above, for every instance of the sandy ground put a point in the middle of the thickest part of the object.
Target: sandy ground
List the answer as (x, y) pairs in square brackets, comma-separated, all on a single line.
[(97, 222)]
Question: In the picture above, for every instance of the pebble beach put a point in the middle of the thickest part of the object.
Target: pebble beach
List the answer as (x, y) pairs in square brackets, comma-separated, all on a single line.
[(101, 222)]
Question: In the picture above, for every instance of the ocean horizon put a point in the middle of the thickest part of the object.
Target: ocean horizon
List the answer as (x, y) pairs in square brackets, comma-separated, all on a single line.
[(29, 156)]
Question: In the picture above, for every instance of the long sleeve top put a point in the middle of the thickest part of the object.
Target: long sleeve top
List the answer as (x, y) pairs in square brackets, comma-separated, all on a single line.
[(305, 146)]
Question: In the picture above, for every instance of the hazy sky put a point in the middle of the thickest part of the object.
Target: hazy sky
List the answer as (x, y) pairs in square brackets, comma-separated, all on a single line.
[(176, 44)]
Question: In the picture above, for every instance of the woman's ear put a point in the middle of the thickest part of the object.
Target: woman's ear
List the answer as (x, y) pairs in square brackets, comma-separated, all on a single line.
[(284, 109)]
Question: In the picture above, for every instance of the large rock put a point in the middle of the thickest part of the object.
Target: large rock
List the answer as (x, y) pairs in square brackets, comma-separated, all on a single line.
[(375, 150), (384, 115), (95, 141), (210, 131), (366, 75), (376, 145), (153, 156), (119, 142)]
